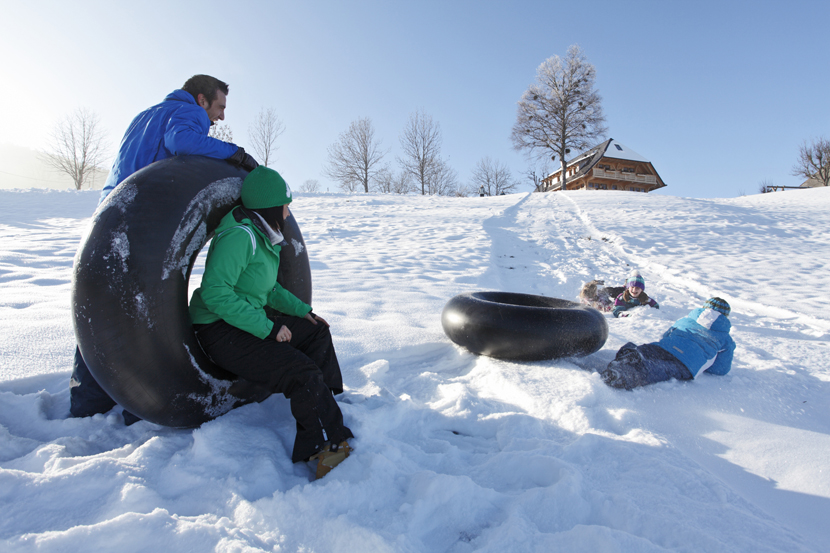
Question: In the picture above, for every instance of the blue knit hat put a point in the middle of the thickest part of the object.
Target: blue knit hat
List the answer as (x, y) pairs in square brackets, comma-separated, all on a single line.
[(718, 305), (636, 279)]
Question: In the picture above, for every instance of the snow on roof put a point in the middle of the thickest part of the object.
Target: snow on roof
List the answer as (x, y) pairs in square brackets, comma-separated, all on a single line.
[(610, 148), (620, 151)]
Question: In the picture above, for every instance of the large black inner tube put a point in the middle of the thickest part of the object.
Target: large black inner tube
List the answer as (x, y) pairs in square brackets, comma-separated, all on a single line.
[(523, 327), (130, 291)]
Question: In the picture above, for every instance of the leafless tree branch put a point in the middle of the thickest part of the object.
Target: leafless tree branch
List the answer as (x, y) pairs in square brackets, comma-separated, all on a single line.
[(814, 161), (353, 159), (78, 146), (310, 185), (263, 135), (221, 132), (494, 177), (561, 110), (421, 145)]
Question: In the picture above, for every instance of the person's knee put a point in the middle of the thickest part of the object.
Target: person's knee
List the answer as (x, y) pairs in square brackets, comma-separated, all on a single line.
[(305, 376)]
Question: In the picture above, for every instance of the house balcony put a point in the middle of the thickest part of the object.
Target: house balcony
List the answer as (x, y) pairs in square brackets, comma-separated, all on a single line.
[(619, 175)]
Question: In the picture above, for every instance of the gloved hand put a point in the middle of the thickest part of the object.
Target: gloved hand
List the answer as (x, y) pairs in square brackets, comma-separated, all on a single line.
[(243, 160)]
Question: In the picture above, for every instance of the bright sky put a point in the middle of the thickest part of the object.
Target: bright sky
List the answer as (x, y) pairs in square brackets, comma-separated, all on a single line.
[(718, 95)]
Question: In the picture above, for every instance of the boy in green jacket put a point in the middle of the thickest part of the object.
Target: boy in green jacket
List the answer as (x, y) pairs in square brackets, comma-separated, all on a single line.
[(291, 353)]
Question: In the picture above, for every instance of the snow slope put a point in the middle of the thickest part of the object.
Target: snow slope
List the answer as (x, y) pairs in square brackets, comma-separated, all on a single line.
[(453, 452)]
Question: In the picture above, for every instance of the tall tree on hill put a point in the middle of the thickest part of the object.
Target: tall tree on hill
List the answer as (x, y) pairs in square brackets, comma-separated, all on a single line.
[(421, 145), (78, 146), (264, 133), (353, 159), (814, 161), (560, 111)]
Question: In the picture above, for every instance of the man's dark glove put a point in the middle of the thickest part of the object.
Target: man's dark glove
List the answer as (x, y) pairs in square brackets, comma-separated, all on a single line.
[(243, 160)]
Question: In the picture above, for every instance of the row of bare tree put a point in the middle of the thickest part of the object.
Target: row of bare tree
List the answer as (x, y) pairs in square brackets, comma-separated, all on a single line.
[(78, 145), (560, 112), (356, 162)]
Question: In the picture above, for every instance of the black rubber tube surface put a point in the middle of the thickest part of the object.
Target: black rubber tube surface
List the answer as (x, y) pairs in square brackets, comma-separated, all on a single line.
[(130, 291), (523, 327)]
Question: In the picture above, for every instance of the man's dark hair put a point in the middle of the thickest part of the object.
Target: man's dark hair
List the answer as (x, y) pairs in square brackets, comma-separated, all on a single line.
[(204, 84)]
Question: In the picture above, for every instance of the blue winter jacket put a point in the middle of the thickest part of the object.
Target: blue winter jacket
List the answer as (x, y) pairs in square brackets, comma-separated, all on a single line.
[(701, 341), (177, 126)]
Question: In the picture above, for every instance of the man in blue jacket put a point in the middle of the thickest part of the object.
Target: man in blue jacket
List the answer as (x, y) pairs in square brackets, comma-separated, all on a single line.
[(699, 342), (177, 126)]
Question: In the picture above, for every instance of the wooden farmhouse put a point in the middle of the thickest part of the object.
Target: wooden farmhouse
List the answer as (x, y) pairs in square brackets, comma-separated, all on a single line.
[(812, 182), (609, 166)]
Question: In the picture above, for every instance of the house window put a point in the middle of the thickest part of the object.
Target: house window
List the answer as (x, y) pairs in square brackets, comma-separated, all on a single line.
[(618, 147), (613, 187)]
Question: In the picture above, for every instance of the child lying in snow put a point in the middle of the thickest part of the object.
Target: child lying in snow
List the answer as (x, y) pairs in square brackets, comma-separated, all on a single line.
[(633, 296), (700, 341)]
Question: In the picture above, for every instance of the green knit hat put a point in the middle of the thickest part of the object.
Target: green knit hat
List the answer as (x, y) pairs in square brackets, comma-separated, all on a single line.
[(264, 187)]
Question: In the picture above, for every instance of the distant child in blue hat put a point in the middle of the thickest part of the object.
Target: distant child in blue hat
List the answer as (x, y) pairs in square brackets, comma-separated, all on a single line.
[(633, 296), (698, 342)]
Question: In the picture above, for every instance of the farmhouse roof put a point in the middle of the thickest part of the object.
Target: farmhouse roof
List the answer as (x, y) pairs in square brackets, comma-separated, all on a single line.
[(611, 149)]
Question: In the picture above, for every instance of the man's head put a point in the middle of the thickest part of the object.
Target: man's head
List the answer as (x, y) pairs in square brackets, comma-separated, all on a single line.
[(210, 93)]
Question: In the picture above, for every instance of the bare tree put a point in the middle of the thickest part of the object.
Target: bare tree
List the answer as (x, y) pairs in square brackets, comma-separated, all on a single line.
[(814, 161), (442, 179), (536, 174), (263, 135), (310, 185), (561, 110), (389, 182), (78, 146), (221, 132), (353, 159), (349, 186), (421, 145), (493, 176), (465, 190)]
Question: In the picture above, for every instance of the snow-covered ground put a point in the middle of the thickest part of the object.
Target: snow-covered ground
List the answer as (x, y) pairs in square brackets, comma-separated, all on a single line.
[(454, 452)]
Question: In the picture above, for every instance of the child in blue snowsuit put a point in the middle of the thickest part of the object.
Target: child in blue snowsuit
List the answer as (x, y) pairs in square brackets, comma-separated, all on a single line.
[(698, 342), (633, 296)]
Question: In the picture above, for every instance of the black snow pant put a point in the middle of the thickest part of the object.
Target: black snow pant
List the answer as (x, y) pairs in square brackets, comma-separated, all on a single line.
[(640, 365), (86, 397), (305, 370)]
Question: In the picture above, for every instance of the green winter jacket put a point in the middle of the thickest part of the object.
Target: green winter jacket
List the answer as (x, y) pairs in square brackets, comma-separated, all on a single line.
[(240, 279)]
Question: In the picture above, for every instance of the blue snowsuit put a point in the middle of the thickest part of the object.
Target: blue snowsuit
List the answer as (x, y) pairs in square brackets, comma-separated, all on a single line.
[(176, 126), (700, 341)]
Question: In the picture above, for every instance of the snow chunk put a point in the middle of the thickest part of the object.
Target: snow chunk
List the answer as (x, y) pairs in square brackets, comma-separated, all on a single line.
[(191, 234), (219, 401), (298, 247)]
